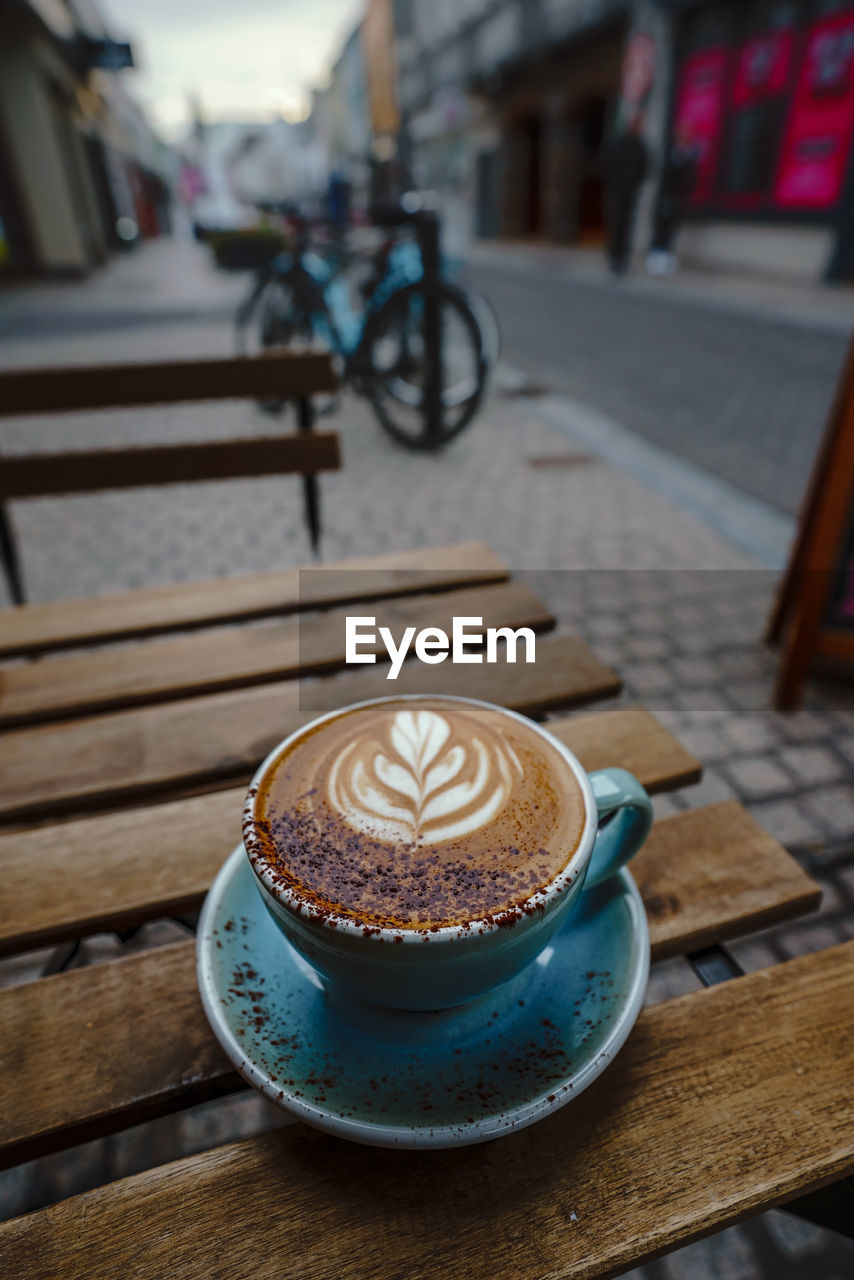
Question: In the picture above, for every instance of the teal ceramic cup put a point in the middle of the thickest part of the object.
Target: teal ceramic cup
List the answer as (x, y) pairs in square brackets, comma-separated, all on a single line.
[(411, 968)]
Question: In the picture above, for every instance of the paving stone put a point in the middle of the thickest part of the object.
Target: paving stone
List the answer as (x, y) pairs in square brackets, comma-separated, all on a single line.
[(24, 968), (794, 1237), (704, 701), (756, 776), (689, 615), (646, 647), (751, 695), (800, 726), (604, 626), (646, 678), (712, 788), (750, 733), (696, 670), (707, 743), (813, 765), (647, 620), (670, 978), (833, 808), (804, 939), (692, 641), (664, 806), (725, 1256), (613, 655), (785, 821), (845, 744), (741, 664), (754, 953), (833, 899), (845, 877)]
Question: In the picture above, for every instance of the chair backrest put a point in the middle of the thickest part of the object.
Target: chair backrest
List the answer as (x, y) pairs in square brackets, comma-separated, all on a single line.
[(276, 375), (287, 375), (87, 471)]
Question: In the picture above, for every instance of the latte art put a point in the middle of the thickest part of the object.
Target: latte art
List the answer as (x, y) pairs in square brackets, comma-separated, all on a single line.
[(416, 813), (422, 785)]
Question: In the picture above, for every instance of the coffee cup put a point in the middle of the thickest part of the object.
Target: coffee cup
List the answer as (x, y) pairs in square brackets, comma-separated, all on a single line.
[(420, 851)]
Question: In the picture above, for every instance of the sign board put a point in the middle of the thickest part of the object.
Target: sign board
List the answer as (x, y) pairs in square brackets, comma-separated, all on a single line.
[(108, 55), (380, 67), (699, 111), (821, 121), (814, 613)]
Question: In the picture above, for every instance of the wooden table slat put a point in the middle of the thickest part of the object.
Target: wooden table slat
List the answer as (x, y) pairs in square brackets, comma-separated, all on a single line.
[(135, 1041), (33, 628), (214, 660), (147, 752), (120, 869), (721, 1103)]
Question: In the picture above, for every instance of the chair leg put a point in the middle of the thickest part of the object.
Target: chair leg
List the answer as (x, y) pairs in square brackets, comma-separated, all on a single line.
[(9, 554), (311, 491)]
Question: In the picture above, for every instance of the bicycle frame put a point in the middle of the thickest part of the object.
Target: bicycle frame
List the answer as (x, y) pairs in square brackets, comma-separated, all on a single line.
[(327, 295)]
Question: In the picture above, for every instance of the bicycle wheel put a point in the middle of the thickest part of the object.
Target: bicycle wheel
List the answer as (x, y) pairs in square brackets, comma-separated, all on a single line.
[(279, 316), (398, 367), (284, 314)]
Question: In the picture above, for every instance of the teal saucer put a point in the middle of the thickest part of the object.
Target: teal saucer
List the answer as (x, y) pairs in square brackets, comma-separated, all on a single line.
[(398, 1079)]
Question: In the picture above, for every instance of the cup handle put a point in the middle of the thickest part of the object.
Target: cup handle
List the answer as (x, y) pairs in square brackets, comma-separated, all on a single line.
[(625, 818)]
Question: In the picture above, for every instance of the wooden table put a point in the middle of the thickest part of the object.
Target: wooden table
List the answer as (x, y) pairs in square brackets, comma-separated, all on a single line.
[(122, 772)]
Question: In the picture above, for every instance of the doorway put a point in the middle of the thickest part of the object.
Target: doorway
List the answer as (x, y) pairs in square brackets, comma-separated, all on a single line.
[(532, 135), (588, 121)]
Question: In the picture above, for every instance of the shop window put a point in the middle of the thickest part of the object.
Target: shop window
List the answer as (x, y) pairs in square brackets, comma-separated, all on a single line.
[(698, 108), (818, 136), (761, 84)]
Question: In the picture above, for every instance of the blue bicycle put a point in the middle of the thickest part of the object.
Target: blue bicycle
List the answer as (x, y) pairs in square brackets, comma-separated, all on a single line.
[(420, 349)]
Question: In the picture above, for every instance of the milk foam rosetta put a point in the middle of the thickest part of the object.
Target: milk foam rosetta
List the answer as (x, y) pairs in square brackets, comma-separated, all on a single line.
[(419, 813), (426, 783)]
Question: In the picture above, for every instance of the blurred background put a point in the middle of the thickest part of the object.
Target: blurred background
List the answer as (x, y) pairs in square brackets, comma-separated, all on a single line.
[(655, 199), (122, 121)]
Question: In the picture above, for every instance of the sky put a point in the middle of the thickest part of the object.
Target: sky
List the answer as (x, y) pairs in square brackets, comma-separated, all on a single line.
[(243, 59)]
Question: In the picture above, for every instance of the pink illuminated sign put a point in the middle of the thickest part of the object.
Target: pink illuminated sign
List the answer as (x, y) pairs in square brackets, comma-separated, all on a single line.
[(698, 114), (821, 120)]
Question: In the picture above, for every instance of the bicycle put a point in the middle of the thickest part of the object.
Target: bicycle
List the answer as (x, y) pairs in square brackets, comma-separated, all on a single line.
[(418, 351)]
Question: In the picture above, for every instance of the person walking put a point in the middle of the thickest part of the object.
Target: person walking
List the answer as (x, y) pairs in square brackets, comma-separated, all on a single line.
[(625, 168), (678, 177)]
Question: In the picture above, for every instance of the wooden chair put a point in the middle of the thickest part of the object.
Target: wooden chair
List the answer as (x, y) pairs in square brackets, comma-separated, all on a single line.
[(295, 376)]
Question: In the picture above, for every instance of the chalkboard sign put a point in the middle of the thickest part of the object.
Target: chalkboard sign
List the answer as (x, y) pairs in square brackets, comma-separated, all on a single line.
[(840, 612), (814, 613)]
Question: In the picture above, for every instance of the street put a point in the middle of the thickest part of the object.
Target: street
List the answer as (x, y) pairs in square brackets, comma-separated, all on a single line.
[(738, 393)]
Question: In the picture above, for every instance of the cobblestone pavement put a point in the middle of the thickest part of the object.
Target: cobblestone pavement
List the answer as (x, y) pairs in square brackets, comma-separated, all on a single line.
[(735, 390), (675, 608)]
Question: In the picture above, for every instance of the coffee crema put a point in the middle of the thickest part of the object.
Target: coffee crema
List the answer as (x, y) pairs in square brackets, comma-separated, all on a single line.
[(418, 814)]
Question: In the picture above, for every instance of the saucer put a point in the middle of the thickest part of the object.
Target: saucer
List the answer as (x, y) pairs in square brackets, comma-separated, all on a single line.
[(393, 1078)]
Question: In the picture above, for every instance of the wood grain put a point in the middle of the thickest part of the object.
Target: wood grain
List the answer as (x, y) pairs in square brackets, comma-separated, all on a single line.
[(150, 751), (92, 470), (632, 738), (713, 873), (723, 1102), (33, 628), (290, 375), (120, 869), (99, 1082), (217, 659)]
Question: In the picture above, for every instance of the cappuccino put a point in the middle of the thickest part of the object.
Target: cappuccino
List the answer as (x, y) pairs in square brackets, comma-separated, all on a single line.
[(417, 814)]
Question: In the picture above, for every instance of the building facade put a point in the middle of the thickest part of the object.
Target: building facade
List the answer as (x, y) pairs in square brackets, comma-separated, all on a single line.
[(765, 91), (80, 171), (512, 103)]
